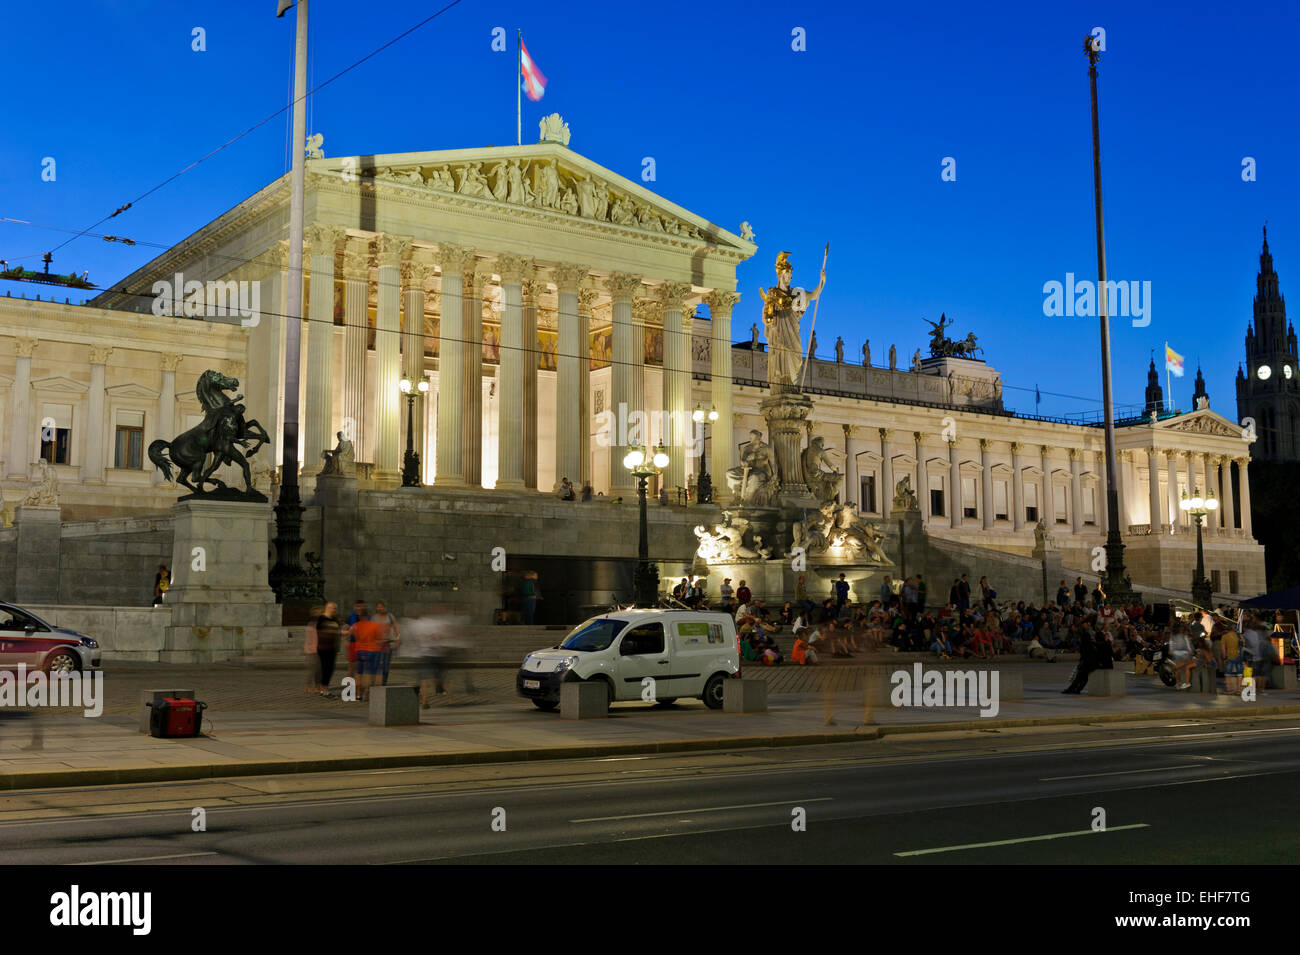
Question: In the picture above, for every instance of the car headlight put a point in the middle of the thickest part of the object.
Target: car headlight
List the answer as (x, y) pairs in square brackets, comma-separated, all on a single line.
[(87, 642), (565, 663)]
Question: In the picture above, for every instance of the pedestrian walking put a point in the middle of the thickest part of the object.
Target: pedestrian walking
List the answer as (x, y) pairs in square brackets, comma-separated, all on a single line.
[(370, 640), (530, 595), (1234, 662), (327, 644), (360, 611), (1087, 662), (310, 649), (393, 641)]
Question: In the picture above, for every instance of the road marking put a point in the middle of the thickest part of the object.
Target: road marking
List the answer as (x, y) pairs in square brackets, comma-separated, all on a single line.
[(692, 812), (178, 855), (1011, 842), (1119, 772)]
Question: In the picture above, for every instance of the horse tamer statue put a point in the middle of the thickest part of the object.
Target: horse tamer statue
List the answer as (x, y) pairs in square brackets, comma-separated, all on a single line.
[(224, 436)]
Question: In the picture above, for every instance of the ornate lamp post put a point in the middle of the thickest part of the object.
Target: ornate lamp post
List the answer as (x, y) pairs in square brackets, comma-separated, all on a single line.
[(645, 579), (411, 460), (704, 487), (1197, 507)]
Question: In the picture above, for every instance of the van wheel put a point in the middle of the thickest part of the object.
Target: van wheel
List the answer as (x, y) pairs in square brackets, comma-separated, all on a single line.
[(547, 705), (713, 692)]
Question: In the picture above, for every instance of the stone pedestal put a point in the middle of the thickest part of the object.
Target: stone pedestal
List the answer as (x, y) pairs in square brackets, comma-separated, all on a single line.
[(744, 696), (394, 705), (36, 574), (584, 701), (1283, 678), (1203, 680), (221, 604), (1011, 685), (1106, 683), (336, 496), (785, 415)]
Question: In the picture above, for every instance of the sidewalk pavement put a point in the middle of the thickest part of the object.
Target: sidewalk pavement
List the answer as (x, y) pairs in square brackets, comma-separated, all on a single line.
[(261, 722)]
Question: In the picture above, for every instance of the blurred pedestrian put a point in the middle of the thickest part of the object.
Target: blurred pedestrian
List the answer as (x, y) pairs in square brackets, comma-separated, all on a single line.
[(360, 611), (392, 634), (370, 638), (327, 631), (530, 594), (310, 649), (161, 581)]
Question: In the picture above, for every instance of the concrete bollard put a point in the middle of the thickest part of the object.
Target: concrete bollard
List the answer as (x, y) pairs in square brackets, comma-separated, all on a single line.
[(1011, 685), (1106, 683), (1283, 677), (148, 696), (1203, 680), (580, 700), (744, 696), (394, 705)]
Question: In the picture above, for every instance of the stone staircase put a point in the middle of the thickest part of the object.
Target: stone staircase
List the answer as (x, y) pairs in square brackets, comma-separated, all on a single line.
[(489, 646)]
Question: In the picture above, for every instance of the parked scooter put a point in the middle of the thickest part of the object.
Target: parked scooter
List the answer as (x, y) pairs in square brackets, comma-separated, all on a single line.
[(1160, 662)]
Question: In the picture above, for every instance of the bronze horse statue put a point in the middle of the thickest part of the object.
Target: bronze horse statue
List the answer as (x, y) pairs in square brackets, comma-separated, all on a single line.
[(216, 440)]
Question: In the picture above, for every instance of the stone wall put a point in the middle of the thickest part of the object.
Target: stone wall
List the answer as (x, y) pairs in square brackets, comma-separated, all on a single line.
[(125, 634)]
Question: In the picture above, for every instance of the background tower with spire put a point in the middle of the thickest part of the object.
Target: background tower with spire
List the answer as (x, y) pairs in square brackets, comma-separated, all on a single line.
[(1268, 387)]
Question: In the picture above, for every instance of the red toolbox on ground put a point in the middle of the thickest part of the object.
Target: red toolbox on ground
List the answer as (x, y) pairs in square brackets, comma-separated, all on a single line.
[(172, 716)]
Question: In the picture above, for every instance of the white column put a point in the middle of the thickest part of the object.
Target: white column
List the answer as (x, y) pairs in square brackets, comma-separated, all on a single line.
[(1191, 481), (626, 373), (510, 389), (318, 435), (986, 484), (569, 422), (452, 259), (390, 250), (474, 284), (676, 379), (92, 471), (720, 306), (1214, 520), (1076, 494), (886, 473), (415, 272), (356, 315), (586, 299), (266, 354), (922, 477), (1171, 511), (954, 485), (1017, 489), (530, 357), (1046, 493), (852, 484), (166, 413), (20, 396), (1225, 499), (1243, 477), (1153, 490)]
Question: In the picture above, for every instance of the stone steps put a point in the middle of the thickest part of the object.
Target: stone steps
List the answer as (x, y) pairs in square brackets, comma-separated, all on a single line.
[(489, 646)]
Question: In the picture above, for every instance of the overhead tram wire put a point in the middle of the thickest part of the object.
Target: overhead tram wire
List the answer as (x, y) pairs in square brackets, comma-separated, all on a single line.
[(258, 125)]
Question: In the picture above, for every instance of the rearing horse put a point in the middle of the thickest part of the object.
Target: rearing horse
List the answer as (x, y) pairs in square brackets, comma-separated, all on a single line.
[(220, 434)]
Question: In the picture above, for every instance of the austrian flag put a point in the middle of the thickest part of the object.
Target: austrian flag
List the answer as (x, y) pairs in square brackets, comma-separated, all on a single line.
[(533, 80)]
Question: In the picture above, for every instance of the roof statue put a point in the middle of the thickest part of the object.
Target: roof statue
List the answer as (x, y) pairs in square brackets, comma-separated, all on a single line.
[(554, 130)]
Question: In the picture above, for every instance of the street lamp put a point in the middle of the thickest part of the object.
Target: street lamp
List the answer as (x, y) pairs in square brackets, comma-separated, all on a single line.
[(1197, 508), (645, 579), (704, 487), (411, 460)]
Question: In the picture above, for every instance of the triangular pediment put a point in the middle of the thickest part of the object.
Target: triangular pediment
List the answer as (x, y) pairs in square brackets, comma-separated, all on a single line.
[(131, 390), (60, 383), (1202, 422), (544, 179)]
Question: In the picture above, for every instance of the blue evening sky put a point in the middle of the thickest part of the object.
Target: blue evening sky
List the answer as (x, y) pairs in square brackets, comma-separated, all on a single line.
[(842, 142)]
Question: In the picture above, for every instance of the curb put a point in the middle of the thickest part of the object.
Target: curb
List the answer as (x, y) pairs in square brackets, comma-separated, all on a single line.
[(51, 779)]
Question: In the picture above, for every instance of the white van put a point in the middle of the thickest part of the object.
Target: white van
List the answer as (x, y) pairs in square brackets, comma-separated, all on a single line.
[(685, 652)]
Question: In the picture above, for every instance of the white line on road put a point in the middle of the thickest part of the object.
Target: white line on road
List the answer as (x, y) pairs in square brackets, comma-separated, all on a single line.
[(1118, 772), (1010, 842), (178, 855), (691, 812)]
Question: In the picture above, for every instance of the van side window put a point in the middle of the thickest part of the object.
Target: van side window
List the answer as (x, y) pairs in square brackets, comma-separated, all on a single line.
[(715, 633), (647, 638)]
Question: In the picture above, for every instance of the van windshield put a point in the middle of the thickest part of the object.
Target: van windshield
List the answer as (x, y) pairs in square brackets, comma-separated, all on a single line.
[(595, 634)]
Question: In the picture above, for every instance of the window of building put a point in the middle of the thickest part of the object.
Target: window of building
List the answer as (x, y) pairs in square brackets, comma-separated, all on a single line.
[(1058, 496), (56, 433), (1214, 581), (1031, 503), (936, 496), (1090, 505), (1000, 500), (968, 498), (867, 498), (1232, 582), (129, 445)]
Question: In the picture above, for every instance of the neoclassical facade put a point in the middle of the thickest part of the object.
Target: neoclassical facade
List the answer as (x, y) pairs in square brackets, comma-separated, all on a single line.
[(542, 296)]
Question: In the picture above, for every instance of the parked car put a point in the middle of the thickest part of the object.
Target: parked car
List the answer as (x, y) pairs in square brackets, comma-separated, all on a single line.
[(26, 638), (685, 652)]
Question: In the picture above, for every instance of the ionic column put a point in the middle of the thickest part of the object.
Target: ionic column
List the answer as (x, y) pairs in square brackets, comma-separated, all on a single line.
[(530, 356), (586, 299), (1017, 489), (1076, 494), (677, 378), (986, 484), (569, 421), (954, 484), (474, 285), (1171, 511), (886, 473), (510, 388), (92, 472), (415, 272), (18, 464), (1243, 477), (1047, 497), (319, 374), (1214, 520), (1191, 480), (265, 387), (166, 413), (1153, 490), (449, 461), (922, 478), (1225, 497), (356, 316), (720, 306), (626, 373)]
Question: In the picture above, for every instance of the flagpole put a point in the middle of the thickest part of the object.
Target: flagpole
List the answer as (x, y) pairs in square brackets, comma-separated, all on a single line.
[(1169, 381), (519, 87)]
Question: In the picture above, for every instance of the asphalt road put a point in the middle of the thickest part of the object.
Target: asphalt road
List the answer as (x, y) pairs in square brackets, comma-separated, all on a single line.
[(1171, 794)]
